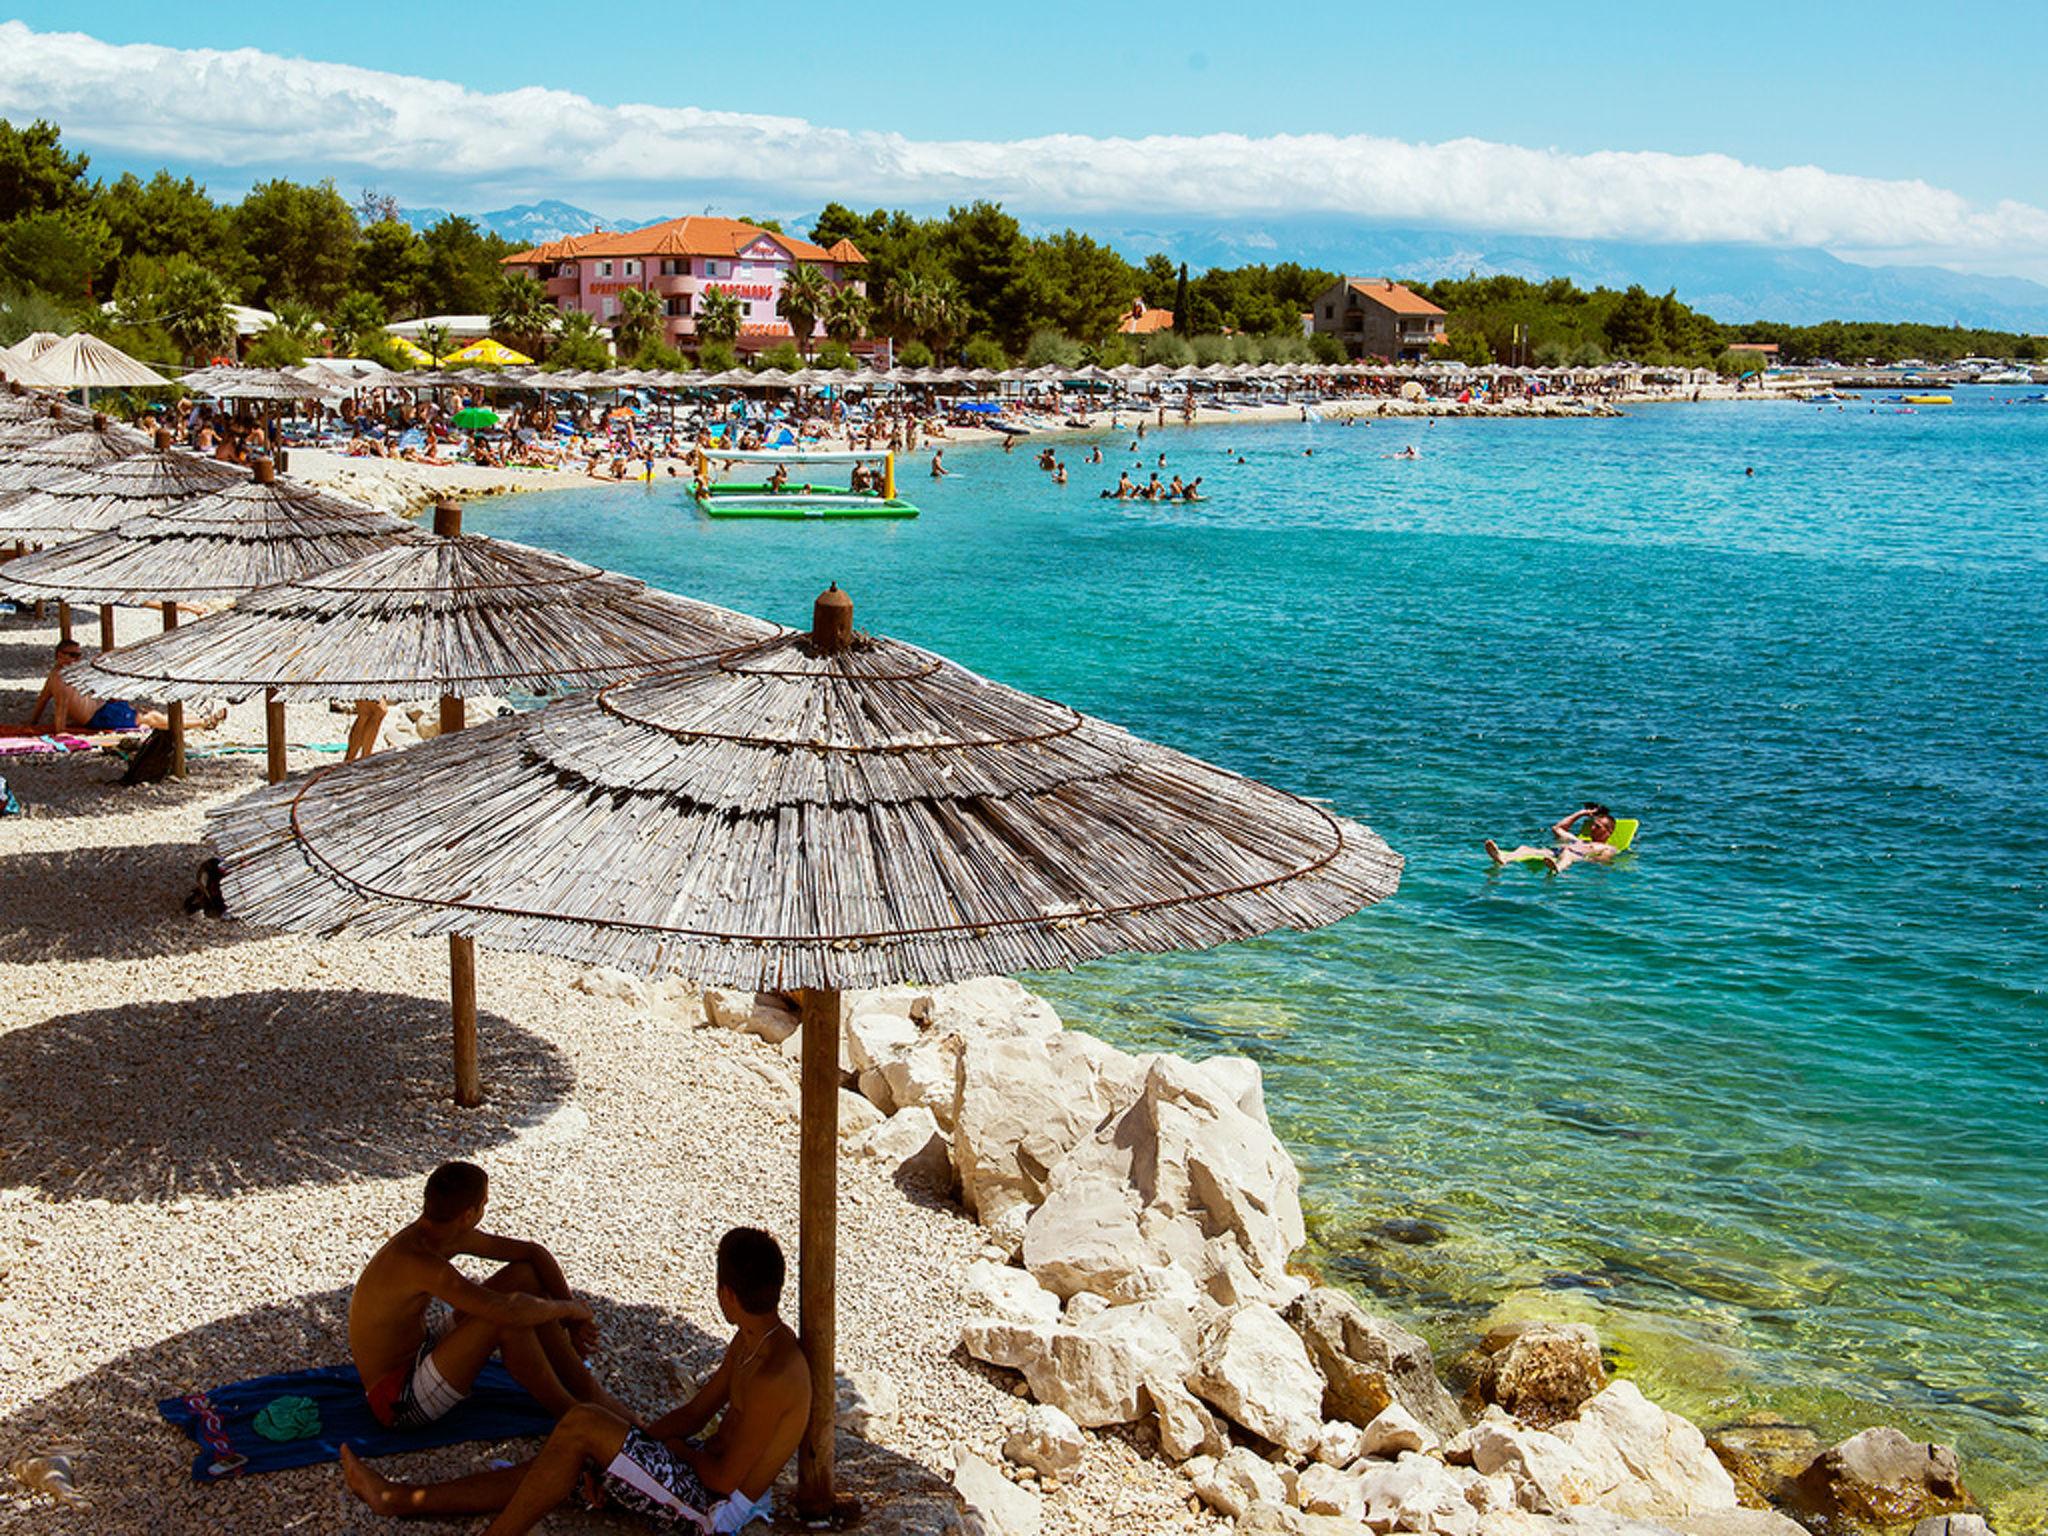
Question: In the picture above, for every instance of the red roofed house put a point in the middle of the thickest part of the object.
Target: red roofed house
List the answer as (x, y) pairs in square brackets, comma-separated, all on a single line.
[(1378, 317), (681, 259), (1144, 322)]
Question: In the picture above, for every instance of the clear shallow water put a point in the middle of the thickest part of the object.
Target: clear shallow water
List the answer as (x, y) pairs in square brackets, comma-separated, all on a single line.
[(1770, 1099)]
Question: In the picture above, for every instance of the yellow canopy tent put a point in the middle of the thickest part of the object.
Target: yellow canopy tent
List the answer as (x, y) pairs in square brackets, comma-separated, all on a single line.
[(488, 349), (413, 353)]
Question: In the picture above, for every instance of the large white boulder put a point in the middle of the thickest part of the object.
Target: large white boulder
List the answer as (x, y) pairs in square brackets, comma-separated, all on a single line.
[(1658, 1464), (1086, 1237), (1394, 1430), (1369, 1363), (1325, 1490), (1096, 1371), (924, 1076), (877, 1030), (1185, 1426), (1198, 1167), (1417, 1493), (987, 1005), (755, 1013), (1253, 1367), (1004, 1341), (910, 1144), (1549, 1475), (1024, 1101)]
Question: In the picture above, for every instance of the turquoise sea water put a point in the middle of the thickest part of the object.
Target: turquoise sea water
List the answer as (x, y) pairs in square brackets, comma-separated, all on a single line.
[(1769, 1099)]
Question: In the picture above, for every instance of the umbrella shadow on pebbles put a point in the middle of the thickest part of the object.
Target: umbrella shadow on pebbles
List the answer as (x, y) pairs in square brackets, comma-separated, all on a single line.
[(120, 901), (274, 1089), (135, 1467)]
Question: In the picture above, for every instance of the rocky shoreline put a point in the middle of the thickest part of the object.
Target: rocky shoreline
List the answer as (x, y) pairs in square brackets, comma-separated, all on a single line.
[(1143, 1227)]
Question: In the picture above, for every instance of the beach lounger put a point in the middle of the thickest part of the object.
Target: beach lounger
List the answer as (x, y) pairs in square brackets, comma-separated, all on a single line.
[(1624, 834)]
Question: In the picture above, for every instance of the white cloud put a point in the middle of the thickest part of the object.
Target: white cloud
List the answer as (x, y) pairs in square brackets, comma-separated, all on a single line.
[(244, 108)]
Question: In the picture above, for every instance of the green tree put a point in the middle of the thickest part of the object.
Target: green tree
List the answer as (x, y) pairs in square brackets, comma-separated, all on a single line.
[(802, 300), (914, 354), (180, 298), (1631, 328), (578, 344), (37, 175), (60, 251), (1076, 285), (463, 266), (24, 311), (172, 216), (391, 263), (717, 357), (276, 346), (984, 250), (1325, 349), (773, 226), (521, 311), (642, 320), (718, 317), (1183, 315), (835, 354), (300, 239), (1051, 347), (983, 352), (783, 355), (355, 324), (1157, 279), (847, 312)]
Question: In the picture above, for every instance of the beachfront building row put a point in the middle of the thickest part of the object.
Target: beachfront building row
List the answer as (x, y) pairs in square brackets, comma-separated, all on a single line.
[(681, 260), (1377, 317)]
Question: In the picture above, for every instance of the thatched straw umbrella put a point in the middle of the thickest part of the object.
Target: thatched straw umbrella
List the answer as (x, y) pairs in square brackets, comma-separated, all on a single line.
[(83, 361), (39, 452), (211, 548), (815, 812), (103, 496), (446, 615)]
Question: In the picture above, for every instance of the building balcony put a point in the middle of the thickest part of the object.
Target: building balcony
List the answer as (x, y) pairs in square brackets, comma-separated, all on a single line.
[(673, 285), (560, 287)]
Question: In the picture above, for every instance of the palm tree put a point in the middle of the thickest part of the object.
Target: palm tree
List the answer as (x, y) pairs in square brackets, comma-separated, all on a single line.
[(847, 312), (521, 311), (906, 300), (196, 313), (805, 293), (642, 319), (718, 316)]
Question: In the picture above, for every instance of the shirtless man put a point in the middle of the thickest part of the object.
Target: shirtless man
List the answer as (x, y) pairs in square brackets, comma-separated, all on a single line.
[(717, 1484), (523, 1313), (1589, 843), (76, 711)]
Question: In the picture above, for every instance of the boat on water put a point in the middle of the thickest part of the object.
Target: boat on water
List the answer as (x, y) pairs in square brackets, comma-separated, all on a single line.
[(786, 490), (1925, 399)]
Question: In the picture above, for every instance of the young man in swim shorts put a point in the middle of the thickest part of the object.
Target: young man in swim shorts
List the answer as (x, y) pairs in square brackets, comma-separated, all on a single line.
[(524, 1313), (718, 1484), (1588, 844), (76, 711)]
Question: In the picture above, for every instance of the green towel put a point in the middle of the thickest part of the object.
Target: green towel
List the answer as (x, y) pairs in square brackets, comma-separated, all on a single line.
[(288, 1418)]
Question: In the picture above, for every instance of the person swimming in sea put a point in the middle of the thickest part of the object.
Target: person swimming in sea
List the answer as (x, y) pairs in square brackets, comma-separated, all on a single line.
[(1588, 844)]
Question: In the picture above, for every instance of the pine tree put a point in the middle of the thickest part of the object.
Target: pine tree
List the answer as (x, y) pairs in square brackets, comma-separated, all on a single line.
[(1183, 321)]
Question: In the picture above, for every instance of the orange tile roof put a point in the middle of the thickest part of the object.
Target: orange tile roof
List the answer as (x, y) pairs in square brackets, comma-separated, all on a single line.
[(695, 235), (1145, 322), (1389, 294)]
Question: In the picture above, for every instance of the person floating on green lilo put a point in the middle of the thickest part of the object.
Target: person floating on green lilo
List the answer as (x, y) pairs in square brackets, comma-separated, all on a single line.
[(1593, 842)]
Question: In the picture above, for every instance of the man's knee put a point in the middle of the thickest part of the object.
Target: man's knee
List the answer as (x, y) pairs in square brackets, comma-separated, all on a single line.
[(597, 1430)]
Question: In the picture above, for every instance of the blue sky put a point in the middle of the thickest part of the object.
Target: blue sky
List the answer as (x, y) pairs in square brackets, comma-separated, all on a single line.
[(1933, 94)]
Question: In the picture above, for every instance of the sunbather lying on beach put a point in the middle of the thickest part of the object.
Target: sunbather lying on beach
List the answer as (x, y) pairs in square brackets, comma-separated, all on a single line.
[(719, 1483), (523, 1313), (1588, 843), (76, 711)]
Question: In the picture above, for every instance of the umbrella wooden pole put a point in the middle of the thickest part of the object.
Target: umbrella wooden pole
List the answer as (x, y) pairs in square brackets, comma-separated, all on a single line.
[(469, 1084), (818, 1246), (63, 620), (106, 626), (273, 736), (175, 713)]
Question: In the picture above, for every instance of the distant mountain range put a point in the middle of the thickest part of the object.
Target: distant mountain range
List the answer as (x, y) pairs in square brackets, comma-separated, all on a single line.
[(1730, 282)]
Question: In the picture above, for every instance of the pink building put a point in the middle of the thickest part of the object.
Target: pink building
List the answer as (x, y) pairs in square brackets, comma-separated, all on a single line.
[(681, 260)]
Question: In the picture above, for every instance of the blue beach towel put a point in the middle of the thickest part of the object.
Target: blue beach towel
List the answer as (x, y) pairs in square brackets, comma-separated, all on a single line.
[(223, 1421)]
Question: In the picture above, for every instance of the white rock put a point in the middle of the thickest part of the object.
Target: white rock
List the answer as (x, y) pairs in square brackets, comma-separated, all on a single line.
[(1198, 1166), (1416, 1493), (1186, 1428), (613, 986), (1339, 1445), (874, 1087), (990, 1005), (928, 1076), (1096, 1371), (1254, 1367), (1085, 1236), (726, 1009), (910, 1143), (1324, 1490), (856, 1115), (875, 1035), (1549, 1475), (1005, 1342), (1238, 1481), (995, 1506), (1024, 1101), (1048, 1442), (772, 1020), (997, 1290), (1394, 1430), (868, 1405), (1664, 1467), (1239, 1078), (1083, 1305)]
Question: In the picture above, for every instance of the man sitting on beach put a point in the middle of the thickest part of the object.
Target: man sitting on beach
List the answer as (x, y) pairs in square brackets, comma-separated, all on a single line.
[(76, 711), (1589, 843), (523, 1313), (717, 1484)]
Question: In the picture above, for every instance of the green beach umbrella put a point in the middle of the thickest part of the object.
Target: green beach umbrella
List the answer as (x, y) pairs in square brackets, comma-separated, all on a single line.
[(472, 417)]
